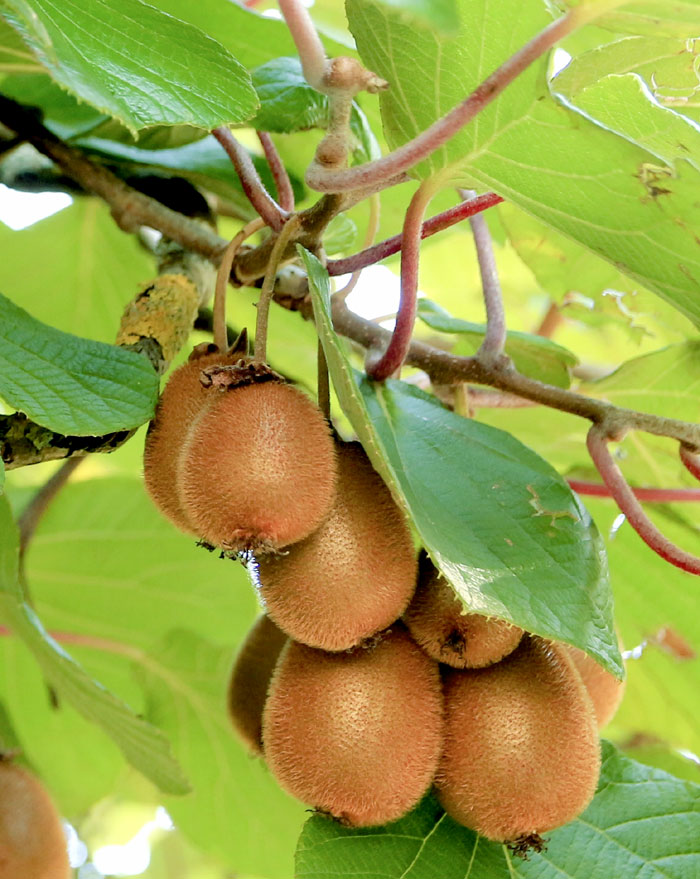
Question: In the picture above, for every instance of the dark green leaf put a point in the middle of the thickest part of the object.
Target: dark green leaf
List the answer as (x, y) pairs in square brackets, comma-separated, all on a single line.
[(533, 355), (130, 60), (498, 520), (642, 822), (144, 746), (71, 385)]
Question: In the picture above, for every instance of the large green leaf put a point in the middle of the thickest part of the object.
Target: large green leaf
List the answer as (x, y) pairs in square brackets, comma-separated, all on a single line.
[(532, 355), (236, 811), (130, 60), (440, 14), (142, 744), (71, 385), (88, 272), (500, 523), (585, 181), (642, 822), (675, 18)]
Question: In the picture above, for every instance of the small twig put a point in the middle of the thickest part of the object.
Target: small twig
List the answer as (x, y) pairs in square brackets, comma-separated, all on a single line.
[(309, 46), (268, 286), (424, 144), (38, 505), (222, 279), (285, 193), (370, 233), (494, 342), (255, 191), (647, 495), (691, 461), (390, 246), (395, 354), (597, 442), (549, 323)]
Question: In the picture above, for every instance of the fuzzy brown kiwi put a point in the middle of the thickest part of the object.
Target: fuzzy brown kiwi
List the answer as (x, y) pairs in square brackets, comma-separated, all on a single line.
[(352, 577), (257, 468), (439, 625), (182, 400), (521, 744), (250, 679), (605, 690), (32, 842), (356, 734)]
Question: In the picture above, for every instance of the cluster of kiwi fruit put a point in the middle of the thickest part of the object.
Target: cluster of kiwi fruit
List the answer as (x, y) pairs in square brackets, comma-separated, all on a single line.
[(32, 842), (365, 682)]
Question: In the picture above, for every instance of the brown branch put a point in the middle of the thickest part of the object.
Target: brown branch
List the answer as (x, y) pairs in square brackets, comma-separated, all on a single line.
[(647, 495), (691, 460), (285, 193), (616, 483), (390, 246), (254, 188)]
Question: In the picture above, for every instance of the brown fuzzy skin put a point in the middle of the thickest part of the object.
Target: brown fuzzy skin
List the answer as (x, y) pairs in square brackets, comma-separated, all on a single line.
[(357, 734), (258, 468), (352, 577), (439, 626), (182, 400), (250, 680), (605, 690), (521, 750), (32, 843)]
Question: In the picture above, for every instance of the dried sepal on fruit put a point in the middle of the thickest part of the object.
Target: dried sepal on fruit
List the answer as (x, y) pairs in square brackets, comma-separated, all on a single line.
[(355, 734), (32, 842), (250, 680), (440, 626), (352, 577), (521, 752), (605, 690)]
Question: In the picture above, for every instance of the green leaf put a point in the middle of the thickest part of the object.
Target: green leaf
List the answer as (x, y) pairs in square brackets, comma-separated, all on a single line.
[(665, 383), (144, 746), (642, 822), (674, 18), (97, 50), (533, 355), (624, 104), (236, 802), (562, 168), (88, 272), (499, 522), (443, 15), (71, 385)]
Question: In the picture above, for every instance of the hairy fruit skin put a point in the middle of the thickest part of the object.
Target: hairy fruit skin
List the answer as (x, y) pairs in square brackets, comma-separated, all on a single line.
[(32, 843), (521, 752), (182, 400), (257, 469), (352, 577), (605, 690), (356, 734), (439, 626), (250, 680)]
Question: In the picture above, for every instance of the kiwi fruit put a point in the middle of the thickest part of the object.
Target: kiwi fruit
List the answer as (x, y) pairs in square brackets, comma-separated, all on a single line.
[(352, 577), (257, 467), (250, 679), (181, 401), (605, 690), (357, 735), (440, 626), (521, 749), (32, 842)]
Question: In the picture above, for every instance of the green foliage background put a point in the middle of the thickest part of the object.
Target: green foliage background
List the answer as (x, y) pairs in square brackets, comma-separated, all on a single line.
[(600, 170)]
